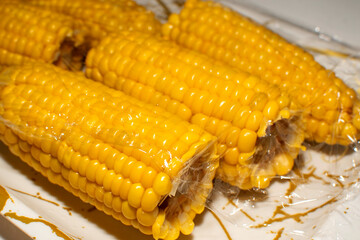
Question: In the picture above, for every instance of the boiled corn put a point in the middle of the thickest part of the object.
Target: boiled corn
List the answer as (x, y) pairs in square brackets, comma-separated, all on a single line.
[(31, 34), (331, 110), (138, 163), (95, 19), (245, 113)]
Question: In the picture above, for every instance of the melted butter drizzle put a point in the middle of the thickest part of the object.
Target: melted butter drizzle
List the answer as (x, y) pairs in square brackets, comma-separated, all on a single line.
[(296, 217), (247, 215), (28, 220), (43, 199), (355, 166), (303, 177), (290, 190), (36, 196), (278, 234), (306, 176), (221, 224), (353, 182), (68, 209), (4, 196), (231, 202), (335, 177)]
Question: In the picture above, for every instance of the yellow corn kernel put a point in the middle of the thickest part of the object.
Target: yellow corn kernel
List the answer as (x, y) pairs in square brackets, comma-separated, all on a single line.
[(186, 225), (136, 193), (247, 141), (283, 163), (101, 172), (113, 182), (150, 200), (231, 156), (271, 110), (349, 131), (10, 137), (244, 158), (162, 184), (108, 180), (117, 204), (323, 129), (261, 178), (146, 218), (356, 121), (91, 170), (254, 120), (128, 211), (241, 117), (230, 171), (232, 137)]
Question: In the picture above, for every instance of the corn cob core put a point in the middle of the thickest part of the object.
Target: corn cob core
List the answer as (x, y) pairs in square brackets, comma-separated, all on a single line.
[(227, 36), (96, 19), (140, 164), (31, 34), (188, 84)]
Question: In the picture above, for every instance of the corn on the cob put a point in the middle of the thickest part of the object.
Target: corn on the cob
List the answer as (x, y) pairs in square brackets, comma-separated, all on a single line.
[(28, 34), (227, 36), (96, 19), (140, 164), (247, 121)]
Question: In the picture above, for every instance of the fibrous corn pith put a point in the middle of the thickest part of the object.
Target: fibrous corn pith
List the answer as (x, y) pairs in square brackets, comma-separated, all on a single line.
[(107, 148), (232, 105)]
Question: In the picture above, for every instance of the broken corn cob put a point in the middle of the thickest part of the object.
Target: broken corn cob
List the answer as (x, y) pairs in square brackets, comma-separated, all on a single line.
[(258, 137), (331, 110), (140, 164), (29, 34), (95, 19)]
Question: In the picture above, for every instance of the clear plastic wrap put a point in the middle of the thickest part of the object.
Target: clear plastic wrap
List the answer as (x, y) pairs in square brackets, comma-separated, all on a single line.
[(325, 177)]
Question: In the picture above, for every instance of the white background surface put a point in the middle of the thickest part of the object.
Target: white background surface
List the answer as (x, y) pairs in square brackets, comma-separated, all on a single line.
[(340, 19)]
